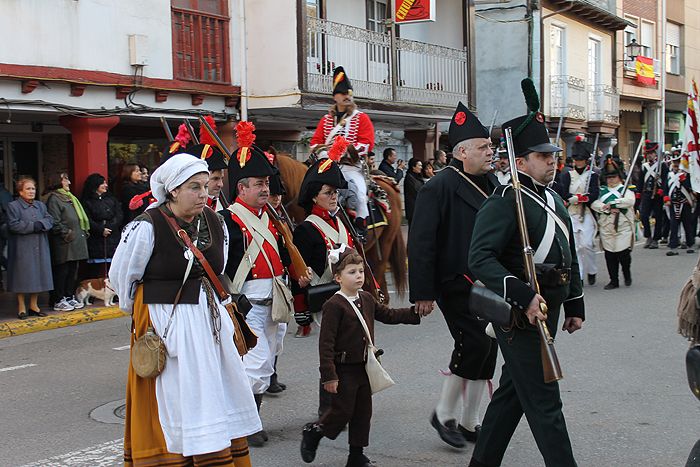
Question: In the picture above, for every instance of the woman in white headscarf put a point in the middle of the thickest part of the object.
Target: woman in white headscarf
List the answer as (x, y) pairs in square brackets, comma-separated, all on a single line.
[(200, 409)]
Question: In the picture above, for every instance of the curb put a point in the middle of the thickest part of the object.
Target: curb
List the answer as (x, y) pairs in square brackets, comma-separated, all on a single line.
[(18, 327)]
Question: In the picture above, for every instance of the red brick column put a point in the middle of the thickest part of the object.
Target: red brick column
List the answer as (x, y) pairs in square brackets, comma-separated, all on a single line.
[(89, 146), (423, 143)]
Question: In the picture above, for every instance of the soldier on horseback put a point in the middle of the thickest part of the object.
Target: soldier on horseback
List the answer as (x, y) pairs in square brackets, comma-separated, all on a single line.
[(344, 119)]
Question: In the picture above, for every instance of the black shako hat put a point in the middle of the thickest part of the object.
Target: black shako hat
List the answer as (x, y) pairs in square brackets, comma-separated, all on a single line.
[(529, 131), (341, 83), (581, 150), (323, 172), (210, 154), (276, 185), (650, 146), (465, 125)]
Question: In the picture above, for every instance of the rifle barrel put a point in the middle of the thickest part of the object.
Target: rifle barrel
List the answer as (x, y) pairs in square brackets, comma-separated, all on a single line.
[(166, 128), (219, 142), (195, 139)]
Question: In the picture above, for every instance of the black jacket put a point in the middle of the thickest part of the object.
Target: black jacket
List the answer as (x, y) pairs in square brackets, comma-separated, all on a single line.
[(396, 174), (441, 230), (128, 191), (565, 190), (411, 186), (104, 212)]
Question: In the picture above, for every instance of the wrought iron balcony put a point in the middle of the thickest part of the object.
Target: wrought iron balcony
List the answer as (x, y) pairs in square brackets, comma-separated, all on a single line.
[(426, 73), (567, 97), (603, 104)]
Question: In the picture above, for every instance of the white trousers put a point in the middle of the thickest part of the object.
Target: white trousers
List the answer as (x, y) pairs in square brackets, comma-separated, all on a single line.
[(354, 174), (259, 362), (584, 234)]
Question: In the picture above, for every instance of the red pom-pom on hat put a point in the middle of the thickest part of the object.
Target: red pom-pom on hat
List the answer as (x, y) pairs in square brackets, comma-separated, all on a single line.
[(204, 137), (245, 134), (183, 135), (579, 138), (340, 145)]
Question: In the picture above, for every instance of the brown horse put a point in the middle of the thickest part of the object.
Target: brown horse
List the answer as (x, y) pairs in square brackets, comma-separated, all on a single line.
[(385, 245)]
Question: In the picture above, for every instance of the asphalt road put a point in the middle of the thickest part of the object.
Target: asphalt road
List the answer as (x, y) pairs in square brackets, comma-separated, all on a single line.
[(625, 394)]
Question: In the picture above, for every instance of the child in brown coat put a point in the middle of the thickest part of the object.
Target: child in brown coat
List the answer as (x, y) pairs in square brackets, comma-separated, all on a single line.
[(342, 350)]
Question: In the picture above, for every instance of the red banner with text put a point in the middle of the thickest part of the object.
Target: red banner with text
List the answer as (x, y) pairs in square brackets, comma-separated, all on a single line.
[(414, 11)]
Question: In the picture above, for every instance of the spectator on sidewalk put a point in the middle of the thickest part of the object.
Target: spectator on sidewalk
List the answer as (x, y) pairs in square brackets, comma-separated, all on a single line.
[(440, 160), (130, 184), (387, 165), (428, 171), (5, 199), (68, 241), (29, 258), (413, 183), (105, 215)]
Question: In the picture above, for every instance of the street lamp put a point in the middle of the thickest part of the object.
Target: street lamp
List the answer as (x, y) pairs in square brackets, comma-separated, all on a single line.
[(633, 50)]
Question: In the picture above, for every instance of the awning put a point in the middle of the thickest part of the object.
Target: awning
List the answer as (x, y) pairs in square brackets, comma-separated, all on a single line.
[(587, 11), (630, 106)]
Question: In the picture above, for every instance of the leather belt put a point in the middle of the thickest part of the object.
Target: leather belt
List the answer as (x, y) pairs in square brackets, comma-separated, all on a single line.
[(553, 277), (261, 302)]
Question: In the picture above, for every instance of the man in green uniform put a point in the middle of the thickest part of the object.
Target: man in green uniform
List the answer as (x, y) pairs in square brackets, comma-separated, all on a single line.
[(496, 258)]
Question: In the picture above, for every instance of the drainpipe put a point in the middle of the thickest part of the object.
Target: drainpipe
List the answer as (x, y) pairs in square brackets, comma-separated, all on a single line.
[(662, 108), (244, 61), (391, 23)]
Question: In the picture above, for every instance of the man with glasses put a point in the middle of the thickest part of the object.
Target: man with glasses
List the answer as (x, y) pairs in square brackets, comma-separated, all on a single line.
[(438, 246)]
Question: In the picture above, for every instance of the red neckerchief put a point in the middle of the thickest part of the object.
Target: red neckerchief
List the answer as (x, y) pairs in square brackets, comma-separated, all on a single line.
[(325, 215), (211, 202)]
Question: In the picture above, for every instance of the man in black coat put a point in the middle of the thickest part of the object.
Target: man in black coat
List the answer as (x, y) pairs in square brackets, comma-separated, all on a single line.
[(438, 247)]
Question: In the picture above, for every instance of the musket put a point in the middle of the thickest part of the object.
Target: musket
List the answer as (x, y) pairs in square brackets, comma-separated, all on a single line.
[(195, 139), (371, 284), (166, 128), (550, 361), (493, 121), (299, 268), (616, 216), (561, 121), (591, 161), (219, 142)]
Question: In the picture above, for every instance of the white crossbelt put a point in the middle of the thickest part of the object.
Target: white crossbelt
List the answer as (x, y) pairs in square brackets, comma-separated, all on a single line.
[(553, 221)]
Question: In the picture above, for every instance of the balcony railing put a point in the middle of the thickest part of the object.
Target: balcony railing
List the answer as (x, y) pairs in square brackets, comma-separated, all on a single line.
[(426, 73), (603, 104), (567, 97)]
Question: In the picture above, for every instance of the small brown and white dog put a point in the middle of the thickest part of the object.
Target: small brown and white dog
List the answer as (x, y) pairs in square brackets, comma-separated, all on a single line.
[(98, 288)]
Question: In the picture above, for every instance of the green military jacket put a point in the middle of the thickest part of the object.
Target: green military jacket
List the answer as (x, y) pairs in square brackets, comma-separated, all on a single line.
[(496, 252)]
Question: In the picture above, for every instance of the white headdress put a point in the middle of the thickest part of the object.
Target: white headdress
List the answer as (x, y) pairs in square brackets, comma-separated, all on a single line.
[(173, 173)]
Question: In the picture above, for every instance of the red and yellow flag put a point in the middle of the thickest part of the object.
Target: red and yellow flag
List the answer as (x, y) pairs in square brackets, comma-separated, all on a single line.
[(645, 71)]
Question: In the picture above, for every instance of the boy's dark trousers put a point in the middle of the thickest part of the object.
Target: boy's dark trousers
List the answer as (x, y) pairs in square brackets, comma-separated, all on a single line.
[(522, 391), (652, 207), (687, 221), (352, 404), (613, 261)]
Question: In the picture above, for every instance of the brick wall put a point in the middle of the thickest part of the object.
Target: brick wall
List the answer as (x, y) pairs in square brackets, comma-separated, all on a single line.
[(646, 9)]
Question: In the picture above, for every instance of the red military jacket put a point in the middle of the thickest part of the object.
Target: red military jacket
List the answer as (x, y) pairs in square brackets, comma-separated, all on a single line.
[(358, 130)]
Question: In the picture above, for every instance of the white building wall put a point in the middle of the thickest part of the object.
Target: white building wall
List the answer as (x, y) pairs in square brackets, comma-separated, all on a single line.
[(86, 34), (352, 12), (446, 30), (271, 27)]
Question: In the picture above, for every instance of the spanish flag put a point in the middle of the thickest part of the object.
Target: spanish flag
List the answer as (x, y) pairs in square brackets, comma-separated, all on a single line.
[(645, 71)]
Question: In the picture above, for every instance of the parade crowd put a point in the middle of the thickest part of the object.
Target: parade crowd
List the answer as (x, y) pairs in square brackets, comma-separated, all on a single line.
[(212, 279)]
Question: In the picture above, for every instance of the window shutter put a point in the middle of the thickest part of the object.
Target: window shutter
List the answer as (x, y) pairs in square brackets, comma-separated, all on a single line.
[(673, 34)]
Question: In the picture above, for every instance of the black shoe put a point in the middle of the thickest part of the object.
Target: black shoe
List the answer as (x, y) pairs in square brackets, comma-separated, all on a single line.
[(257, 440), (648, 242), (683, 246), (672, 253), (469, 435), (36, 313), (263, 433), (22, 315), (591, 279), (690, 251), (448, 432), (628, 281), (282, 385), (611, 286), (654, 245), (663, 241), (310, 437), (359, 460), (275, 386)]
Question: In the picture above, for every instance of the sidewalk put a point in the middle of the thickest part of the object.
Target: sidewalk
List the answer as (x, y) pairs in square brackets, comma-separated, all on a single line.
[(10, 325)]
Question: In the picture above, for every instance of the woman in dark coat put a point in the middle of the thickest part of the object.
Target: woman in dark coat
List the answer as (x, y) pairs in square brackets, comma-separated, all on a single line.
[(412, 184), (29, 259), (129, 185), (68, 241), (105, 215)]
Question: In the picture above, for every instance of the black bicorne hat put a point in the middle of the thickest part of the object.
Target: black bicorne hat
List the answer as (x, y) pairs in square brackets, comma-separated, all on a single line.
[(322, 172), (210, 154), (529, 131), (465, 125), (341, 82), (276, 185), (249, 161), (173, 148)]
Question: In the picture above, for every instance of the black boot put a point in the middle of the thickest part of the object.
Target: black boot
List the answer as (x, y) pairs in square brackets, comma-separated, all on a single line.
[(357, 458), (626, 263), (275, 386), (258, 439), (591, 279), (310, 437)]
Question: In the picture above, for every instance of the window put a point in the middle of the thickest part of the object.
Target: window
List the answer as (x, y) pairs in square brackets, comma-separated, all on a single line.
[(313, 8), (646, 39), (557, 50), (376, 15), (673, 48), (593, 62), (201, 40), (378, 55)]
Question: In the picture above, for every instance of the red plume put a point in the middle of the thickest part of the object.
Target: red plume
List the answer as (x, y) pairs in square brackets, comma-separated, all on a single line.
[(579, 138), (183, 136), (340, 145), (204, 137), (245, 133), (647, 141)]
